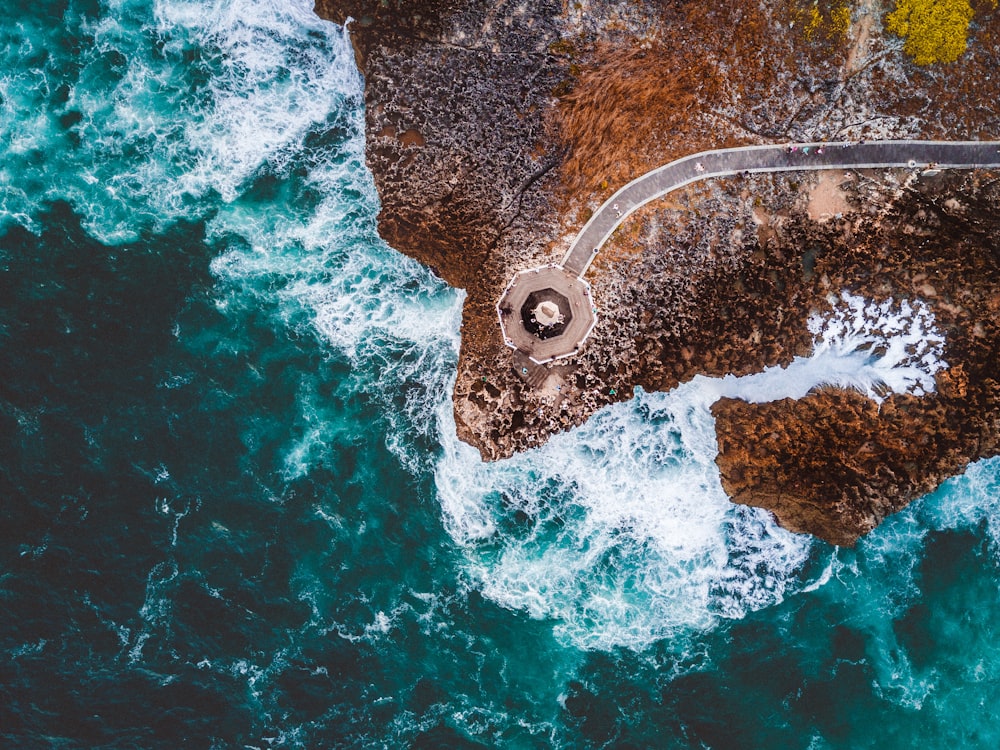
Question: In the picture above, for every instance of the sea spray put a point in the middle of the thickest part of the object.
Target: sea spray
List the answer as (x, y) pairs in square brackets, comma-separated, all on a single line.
[(157, 108), (620, 531), (901, 339), (203, 525)]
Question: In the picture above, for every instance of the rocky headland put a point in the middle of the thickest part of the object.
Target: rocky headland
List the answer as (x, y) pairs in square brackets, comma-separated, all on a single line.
[(495, 129)]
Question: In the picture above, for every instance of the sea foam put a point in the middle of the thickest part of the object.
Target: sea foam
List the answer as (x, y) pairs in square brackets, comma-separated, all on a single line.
[(620, 532), (171, 104), (289, 93)]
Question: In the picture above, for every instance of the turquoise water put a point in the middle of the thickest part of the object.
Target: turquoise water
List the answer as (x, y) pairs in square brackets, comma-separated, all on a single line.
[(234, 511)]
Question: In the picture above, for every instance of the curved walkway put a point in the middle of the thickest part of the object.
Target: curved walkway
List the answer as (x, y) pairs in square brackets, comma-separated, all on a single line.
[(566, 279), (761, 159)]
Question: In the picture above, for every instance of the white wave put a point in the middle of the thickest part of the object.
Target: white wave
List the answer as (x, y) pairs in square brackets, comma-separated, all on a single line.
[(279, 71), (874, 348), (967, 501), (620, 530), (177, 102), (901, 341), (875, 584), (26, 127), (388, 316), (623, 535), (878, 582), (312, 254)]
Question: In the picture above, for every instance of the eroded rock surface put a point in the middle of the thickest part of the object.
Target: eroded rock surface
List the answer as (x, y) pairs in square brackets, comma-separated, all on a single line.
[(493, 128), (835, 463)]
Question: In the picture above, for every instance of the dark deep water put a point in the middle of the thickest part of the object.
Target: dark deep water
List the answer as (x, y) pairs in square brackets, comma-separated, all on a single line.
[(234, 512)]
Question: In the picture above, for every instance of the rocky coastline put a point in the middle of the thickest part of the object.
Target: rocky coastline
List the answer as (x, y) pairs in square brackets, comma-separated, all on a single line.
[(493, 129)]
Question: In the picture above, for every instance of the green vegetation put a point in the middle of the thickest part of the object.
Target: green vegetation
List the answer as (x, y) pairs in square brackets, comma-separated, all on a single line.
[(935, 30)]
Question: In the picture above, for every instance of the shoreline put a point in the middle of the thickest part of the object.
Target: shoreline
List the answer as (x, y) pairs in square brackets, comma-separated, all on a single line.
[(719, 277)]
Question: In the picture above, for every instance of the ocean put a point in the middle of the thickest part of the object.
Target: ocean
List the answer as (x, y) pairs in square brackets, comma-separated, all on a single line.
[(234, 510)]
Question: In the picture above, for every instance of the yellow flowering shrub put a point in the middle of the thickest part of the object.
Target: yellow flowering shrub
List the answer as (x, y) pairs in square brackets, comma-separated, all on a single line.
[(815, 21), (833, 19), (934, 30), (840, 19)]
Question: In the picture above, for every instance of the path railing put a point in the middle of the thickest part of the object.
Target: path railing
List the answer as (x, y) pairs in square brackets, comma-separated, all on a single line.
[(770, 158)]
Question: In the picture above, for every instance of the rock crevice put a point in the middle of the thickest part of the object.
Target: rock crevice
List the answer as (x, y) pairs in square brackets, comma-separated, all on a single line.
[(493, 129)]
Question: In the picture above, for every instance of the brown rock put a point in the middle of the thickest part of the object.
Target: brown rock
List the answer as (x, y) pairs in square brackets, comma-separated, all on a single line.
[(494, 128)]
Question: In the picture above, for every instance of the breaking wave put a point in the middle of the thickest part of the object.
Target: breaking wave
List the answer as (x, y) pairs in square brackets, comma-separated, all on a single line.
[(157, 108), (620, 530)]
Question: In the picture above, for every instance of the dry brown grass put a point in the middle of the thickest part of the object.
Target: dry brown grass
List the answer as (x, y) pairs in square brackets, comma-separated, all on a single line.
[(723, 74), (629, 108), (720, 74)]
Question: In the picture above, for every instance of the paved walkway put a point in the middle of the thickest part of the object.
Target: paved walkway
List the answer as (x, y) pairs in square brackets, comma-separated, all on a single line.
[(566, 280), (761, 159)]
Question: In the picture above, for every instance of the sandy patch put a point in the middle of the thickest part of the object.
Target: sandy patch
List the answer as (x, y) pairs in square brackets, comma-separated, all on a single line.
[(412, 137), (858, 54), (827, 199)]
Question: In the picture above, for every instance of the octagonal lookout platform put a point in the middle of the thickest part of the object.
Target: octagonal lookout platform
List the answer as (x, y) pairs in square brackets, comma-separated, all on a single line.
[(546, 313)]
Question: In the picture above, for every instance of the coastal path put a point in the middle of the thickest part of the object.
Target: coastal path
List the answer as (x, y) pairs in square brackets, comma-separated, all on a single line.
[(521, 332)]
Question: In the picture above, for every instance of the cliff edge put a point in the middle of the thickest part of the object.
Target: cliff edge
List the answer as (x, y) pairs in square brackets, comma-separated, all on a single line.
[(495, 129)]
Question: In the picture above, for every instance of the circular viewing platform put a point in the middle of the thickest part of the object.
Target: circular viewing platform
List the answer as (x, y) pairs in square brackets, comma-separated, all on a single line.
[(546, 313)]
